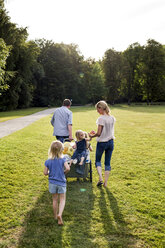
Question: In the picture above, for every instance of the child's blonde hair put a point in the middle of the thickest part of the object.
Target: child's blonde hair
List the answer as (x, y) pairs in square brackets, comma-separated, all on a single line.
[(104, 106), (55, 150), (79, 135)]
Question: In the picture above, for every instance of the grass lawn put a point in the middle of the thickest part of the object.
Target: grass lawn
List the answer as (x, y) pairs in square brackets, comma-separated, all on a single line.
[(8, 115), (129, 213)]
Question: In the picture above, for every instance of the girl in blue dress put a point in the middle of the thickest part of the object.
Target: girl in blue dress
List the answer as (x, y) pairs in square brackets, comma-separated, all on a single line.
[(56, 167)]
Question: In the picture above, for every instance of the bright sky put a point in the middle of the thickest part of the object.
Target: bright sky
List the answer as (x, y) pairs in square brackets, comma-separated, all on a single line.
[(94, 25)]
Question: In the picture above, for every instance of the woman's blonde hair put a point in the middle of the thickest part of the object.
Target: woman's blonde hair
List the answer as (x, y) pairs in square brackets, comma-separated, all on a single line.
[(55, 150), (78, 134), (104, 106)]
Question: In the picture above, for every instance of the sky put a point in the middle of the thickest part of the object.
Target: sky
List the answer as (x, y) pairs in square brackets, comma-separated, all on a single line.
[(94, 25)]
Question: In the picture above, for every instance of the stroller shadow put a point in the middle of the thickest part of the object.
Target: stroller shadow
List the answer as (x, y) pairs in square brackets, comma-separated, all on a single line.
[(80, 203), (41, 230), (115, 227)]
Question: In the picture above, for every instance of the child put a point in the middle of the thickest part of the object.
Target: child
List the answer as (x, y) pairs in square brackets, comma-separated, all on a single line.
[(88, 148), (54, 167), (105, 137), (80, 153)]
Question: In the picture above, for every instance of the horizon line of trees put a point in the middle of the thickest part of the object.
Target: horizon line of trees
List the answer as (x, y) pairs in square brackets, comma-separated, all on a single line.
[(43, 73)]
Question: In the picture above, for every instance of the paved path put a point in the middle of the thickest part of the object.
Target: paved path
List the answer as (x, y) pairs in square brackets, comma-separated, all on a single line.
[(11, 126)]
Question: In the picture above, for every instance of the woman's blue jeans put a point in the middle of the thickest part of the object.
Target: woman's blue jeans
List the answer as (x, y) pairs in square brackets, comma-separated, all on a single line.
[(108, 148)]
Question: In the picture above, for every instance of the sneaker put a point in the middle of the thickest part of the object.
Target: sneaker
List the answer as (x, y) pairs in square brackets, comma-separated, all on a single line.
[(75, 161)]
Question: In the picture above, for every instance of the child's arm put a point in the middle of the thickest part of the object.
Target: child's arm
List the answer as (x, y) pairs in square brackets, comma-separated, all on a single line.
[(46, 171), (90, 148), (74, 146), (67, 167)]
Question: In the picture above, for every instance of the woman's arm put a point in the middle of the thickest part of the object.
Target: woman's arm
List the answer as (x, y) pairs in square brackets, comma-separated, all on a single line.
[(46, 171), (98, 133)]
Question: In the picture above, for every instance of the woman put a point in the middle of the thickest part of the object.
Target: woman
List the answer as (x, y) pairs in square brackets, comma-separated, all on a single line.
[(105, 140)]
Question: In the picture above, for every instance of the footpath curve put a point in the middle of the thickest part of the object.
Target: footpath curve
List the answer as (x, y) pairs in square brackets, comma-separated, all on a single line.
[(11, 126)]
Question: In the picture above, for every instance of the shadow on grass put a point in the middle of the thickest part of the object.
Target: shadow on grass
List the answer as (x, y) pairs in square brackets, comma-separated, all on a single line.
[(41, 230), (116, 231), (157, 109), (80, 202)]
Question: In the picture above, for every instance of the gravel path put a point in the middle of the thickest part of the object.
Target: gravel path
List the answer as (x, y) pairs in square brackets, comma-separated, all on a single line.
[(11, 126)]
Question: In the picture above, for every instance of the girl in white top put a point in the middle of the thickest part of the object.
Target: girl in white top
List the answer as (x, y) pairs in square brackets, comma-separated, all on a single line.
[(105, 137)]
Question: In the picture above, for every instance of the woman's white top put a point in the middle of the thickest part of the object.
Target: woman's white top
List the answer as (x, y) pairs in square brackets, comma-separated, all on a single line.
[(107, 121)]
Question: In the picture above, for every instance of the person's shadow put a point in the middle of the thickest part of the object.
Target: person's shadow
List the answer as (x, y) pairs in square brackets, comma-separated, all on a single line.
[(42, 231), (115, 227)]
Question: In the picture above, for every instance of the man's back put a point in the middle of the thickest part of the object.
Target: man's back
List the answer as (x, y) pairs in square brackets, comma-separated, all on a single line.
[(62, 117)]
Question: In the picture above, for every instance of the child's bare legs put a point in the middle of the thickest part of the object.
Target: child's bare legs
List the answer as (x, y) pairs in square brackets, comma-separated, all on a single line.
[(81, 161), (61, 208), (99, 171), (55, 205), (106, 176)]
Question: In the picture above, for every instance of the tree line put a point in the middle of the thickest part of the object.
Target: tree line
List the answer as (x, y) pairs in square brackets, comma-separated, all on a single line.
[(43, 73)]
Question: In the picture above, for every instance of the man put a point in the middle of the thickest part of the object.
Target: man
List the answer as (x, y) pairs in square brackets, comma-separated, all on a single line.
[(62, 122)]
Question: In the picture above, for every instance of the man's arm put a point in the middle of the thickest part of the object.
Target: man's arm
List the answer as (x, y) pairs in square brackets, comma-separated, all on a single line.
[(52, 120), (70, 132)]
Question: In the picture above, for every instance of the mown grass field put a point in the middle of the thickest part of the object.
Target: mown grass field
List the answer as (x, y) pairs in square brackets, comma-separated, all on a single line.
[(129, 213)]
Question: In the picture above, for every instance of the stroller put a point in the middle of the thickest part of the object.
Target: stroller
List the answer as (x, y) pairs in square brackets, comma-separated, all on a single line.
[(80, 171)]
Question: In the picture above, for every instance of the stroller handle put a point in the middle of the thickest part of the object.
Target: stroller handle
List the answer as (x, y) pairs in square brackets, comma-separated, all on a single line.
[(68, 140)]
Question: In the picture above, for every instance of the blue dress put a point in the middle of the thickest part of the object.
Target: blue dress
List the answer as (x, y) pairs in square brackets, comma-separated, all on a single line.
[(56, 171)]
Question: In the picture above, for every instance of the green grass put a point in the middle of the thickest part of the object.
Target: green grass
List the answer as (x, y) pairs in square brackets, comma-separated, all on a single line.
[(129, 213), (8, 115)]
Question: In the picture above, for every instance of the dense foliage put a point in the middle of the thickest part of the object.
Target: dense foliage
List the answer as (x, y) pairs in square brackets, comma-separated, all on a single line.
[(43, 73)]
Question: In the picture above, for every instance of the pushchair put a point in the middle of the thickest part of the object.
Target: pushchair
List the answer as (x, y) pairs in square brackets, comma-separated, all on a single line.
[(81, 171)]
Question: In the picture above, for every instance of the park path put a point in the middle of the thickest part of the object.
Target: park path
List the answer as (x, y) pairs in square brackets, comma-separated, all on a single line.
[(11, 126)]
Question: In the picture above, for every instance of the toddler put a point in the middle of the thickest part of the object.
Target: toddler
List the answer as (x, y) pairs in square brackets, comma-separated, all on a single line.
[(81, 144)]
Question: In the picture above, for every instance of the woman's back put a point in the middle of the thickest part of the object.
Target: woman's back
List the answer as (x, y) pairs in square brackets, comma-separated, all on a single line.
[(107, 121)]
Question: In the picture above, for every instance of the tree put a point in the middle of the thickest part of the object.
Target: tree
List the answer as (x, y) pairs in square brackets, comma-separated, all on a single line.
[(96, 83), (112, 62), (62, 66), (153, 71), (132, 57), (19, 63), (4, 75)]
